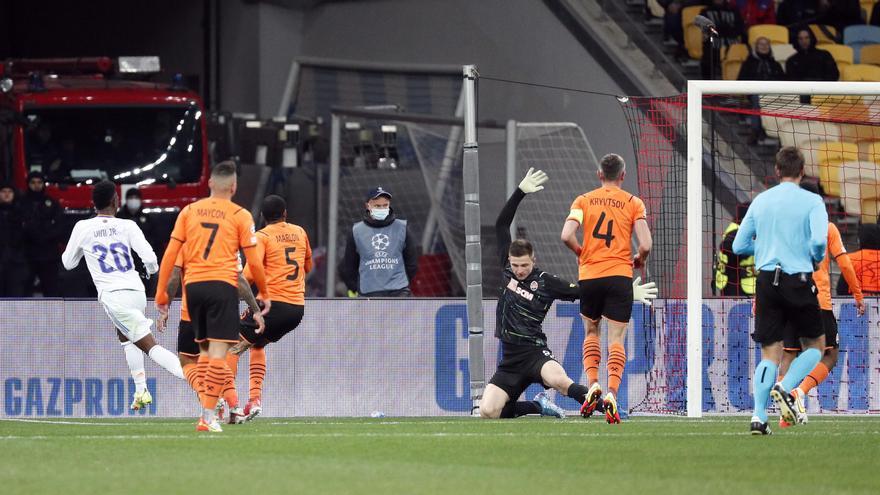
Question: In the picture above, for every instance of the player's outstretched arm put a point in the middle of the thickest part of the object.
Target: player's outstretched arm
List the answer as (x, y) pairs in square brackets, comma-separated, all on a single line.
[(531, 183)]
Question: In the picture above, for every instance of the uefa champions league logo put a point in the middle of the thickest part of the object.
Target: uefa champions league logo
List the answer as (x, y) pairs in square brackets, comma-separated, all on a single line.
[(380, 242)]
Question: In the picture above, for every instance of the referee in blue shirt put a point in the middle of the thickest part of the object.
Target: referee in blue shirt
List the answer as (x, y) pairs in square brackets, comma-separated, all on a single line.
[(786, 228)]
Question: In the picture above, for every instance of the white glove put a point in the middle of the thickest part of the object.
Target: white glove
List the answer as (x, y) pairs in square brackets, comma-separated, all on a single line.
[(644, 293), (532, 181)]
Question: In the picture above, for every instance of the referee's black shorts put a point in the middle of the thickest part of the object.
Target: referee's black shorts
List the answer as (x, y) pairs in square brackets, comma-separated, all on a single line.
[(213, 310), (786, 300)]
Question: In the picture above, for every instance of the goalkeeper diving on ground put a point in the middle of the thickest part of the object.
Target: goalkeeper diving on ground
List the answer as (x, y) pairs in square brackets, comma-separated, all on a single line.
[(526, 296)]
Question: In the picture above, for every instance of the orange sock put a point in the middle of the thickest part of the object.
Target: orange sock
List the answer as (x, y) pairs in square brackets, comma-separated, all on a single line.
[(616, 363), (232, 362), (214, 380), (817, 376), (229, 393), (190, 372), (592, 355), (201, 371), (258, 371)]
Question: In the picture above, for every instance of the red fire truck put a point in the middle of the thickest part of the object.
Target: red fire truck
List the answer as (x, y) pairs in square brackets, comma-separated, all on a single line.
[(81, 120)]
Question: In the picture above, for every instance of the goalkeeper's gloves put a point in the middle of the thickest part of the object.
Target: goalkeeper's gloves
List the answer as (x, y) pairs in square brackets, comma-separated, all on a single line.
[(643, 293), (352, 293), (532, 181)]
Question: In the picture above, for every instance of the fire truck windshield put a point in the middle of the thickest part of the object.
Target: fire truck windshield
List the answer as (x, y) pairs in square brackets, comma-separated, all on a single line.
[(133, 145)]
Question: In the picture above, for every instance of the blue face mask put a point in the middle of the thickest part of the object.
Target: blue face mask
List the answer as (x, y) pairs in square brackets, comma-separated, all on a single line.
[(380, 213)]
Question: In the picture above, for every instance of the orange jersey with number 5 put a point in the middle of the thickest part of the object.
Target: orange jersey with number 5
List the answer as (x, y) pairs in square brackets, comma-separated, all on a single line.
[(607, 216), (287, 258), (212, 230)]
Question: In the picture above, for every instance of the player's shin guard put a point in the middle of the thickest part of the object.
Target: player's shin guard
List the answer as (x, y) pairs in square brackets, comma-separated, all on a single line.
[(166, 359), (232, 362), (190, 371), (765, 376), (202, 370), (800, 367), (817, 376), (616, 363), (135, 359), (214, 380), (592, 356), (577, 392), (257, 371), (229, 393)]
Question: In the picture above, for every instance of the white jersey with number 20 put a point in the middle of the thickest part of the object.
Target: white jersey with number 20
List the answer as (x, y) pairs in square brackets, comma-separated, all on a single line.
[(107, 244)]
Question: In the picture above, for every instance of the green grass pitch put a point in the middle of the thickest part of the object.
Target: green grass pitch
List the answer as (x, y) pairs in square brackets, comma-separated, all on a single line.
[(644, 456)]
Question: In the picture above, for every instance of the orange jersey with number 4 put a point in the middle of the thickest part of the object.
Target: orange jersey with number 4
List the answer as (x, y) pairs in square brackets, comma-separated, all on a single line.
[(607, 216), (287, 257), (212, 230)]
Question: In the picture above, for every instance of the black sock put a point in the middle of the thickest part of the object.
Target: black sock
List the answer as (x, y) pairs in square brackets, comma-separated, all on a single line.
[(521, 408), (577, 392)]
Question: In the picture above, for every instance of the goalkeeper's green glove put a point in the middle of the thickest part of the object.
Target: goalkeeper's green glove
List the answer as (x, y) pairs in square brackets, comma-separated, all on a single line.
[(532, 181), (643, 293), (352, 293)]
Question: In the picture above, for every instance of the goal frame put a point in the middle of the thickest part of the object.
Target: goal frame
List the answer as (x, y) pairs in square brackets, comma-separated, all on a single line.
[(696, 89)]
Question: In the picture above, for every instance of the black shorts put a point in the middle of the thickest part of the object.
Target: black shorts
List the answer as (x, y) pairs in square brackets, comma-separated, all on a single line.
[(611, 297), (280, 320), (520, 367), (792, 302), (213, 310), (186, 339), (829, 326)]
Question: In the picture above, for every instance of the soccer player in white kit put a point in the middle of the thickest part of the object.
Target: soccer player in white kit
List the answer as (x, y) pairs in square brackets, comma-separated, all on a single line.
[(107, 243)]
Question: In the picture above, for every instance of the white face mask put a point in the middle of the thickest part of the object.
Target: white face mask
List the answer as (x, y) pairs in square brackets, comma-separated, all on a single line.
[(380, 213), (133, 204)]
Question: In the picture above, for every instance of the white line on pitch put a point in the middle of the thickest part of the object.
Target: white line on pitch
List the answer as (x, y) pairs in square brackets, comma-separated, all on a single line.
[(65, 422)]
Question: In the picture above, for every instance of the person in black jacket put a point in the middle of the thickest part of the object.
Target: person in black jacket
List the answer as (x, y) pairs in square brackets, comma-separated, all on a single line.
[(810, 63), (13, 268), (796, 12), (730, 26), (42, 235), (760, 66), (381, 255), (133, 210)]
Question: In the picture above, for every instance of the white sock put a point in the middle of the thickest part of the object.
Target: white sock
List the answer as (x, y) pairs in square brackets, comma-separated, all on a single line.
[(166, 359), (135, 359)]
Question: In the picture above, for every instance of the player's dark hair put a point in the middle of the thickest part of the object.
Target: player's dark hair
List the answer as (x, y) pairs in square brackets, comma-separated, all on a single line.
[(273, 208), (790, 162), (102, 194), (223, 169), (612, 165), (521, 247)]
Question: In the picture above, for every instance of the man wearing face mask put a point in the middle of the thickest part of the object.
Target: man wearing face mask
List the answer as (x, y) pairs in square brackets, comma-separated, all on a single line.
[(133, 210), (381, 256)]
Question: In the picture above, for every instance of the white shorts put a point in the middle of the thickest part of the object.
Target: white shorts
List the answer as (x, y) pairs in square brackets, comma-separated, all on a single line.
[(126, 310)]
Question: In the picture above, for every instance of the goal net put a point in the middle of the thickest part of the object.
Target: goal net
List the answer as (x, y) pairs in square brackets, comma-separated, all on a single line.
[(702, 157)]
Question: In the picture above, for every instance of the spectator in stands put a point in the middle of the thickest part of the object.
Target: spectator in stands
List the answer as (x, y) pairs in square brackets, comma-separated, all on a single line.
[(672, 28), (757, 12), (810, 63), (13, 269), (381, 256), (42, 235), (760, 66), (133, 210), (866, 262), (797, 12), (840, 13), (729, 25), (734, 275)]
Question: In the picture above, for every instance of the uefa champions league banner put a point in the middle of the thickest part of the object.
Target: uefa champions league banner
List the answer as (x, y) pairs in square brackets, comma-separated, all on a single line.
[(405, 357)]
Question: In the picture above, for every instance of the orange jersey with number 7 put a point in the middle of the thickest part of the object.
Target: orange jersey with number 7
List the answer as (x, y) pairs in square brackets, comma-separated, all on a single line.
[(286, 255), (607, 216)]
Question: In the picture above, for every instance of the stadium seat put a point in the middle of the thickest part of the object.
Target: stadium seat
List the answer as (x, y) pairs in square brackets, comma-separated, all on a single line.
[(733, 58), (860, 72), (781, 52), (842, 54), (820, 35), (874, 152), (870, 54), (809, 136), (774, 32), (830, 156), (769, 103), (860, 35), (860, 185), (693, 35)]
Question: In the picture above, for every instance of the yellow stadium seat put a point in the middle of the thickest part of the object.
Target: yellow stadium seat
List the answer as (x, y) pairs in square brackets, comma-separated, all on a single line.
[(860, 72), (821, 37), (737, 52), (859, 181), (870, 54), (808, 136), (874, 152), (693, 36), (842, 54), (730, 69), (831, 154), (774, 32)]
